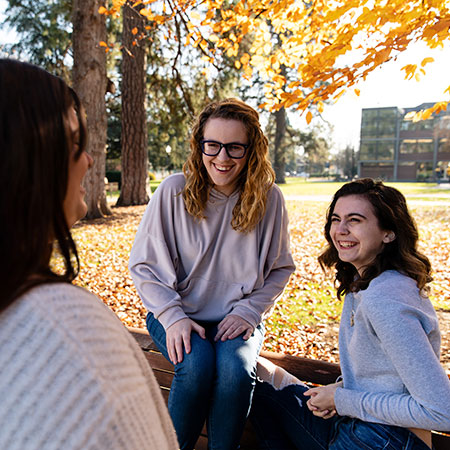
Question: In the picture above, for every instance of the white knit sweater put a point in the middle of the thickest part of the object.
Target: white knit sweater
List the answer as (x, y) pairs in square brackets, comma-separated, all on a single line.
[(72, 377)]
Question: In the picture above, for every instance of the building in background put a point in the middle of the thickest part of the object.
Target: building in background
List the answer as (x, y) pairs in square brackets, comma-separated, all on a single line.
[(395, 148)]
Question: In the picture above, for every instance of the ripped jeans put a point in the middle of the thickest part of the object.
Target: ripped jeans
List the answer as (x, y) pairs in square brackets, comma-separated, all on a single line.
[(283, 421)]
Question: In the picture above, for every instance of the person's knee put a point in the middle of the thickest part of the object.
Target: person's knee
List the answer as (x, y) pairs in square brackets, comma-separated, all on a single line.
[(236, 375), (197, 366)]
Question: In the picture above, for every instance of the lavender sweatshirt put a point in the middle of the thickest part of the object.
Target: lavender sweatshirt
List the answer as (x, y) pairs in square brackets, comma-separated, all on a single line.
[(390, 357), (183, 267)]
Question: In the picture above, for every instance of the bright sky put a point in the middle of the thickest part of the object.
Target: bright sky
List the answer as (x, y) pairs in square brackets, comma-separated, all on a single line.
[(384, 87), (387, 86)]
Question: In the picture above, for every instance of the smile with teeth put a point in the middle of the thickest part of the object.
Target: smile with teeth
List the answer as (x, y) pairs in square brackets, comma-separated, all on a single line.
[(346, 244), (223, 169)]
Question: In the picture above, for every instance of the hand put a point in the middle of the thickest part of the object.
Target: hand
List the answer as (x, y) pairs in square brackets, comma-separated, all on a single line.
[(321, 403), (232, 326), (179, 335)]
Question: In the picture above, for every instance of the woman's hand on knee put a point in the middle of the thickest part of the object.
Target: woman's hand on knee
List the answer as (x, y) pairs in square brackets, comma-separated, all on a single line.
[(178, 336), (233, 326)]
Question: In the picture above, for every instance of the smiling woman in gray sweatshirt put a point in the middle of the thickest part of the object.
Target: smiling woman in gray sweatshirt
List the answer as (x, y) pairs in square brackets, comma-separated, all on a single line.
[(210, 257), (393, 389)]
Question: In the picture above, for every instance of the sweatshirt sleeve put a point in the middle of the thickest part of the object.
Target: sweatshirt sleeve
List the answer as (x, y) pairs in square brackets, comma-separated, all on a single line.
[(426, 400), (276, 262), (153, 264)]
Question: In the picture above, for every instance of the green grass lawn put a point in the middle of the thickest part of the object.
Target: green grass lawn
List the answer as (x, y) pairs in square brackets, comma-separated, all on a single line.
[(300, 186), (154, 184)]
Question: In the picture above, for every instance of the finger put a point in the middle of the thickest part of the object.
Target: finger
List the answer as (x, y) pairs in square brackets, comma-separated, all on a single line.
[(325, 413), (222, 332), (233, 333), (179, 350), (171, 351), (310, 406), (219, 334), (330, 415), (186, 340), (248, 334), (312, 392), (229, 333), (223, 324), (200, 330)]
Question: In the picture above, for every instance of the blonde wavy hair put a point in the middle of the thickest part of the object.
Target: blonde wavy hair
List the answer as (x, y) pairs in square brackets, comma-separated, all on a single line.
[(255, 179)]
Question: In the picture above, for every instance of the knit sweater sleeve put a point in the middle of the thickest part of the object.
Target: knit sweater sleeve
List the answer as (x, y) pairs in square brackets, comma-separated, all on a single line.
[(72, 377), (425, 401)]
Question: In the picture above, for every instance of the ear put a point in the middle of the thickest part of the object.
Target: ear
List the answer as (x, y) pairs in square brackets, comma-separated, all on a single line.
[(389, 237)]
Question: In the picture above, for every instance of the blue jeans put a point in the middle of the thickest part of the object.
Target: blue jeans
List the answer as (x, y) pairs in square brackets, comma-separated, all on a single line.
[(214, 382), (283, 421)]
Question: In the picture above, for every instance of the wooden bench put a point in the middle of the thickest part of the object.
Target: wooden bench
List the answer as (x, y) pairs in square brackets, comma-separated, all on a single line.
[(306, 369)]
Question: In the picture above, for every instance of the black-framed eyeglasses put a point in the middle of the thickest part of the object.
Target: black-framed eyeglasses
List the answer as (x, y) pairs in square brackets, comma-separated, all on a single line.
[(234, 150)]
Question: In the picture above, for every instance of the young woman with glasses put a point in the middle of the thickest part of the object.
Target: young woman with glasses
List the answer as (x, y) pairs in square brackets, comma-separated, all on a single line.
[(211, 255), (393, 389)]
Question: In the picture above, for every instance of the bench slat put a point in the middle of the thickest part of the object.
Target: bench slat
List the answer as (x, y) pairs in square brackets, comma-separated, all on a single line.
[(164, 378), (158, 360)]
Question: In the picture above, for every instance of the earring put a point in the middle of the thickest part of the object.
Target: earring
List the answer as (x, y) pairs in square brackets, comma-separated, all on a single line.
[(389, 237)]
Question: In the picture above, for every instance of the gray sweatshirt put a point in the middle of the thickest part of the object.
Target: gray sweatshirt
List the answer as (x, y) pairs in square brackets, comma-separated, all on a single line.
[(183, 267), (390, 357)]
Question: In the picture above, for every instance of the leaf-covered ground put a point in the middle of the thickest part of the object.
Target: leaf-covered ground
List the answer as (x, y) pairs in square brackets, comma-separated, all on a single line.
[(305, 320)]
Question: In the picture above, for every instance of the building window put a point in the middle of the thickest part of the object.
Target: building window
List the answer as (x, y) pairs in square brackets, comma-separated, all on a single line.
[(369, 124), (444, 145), (385, 150), (409, 125), (425, 171), (379, 123), (410, 146), (387, 123), (368, 151), (377, 150)]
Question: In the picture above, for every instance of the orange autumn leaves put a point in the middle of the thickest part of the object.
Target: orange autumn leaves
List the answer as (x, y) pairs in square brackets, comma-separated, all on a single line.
[(304, 321), (307, 53)]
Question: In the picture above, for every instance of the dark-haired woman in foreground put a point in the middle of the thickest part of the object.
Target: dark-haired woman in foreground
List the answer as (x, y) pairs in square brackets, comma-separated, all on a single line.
[(393, 388), (71, 376)]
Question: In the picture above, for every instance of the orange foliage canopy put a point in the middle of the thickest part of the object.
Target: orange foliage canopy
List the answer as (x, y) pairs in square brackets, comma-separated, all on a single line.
[(310, 39)]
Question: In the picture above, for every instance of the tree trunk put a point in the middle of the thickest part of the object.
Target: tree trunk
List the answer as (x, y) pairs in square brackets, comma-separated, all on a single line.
[(278, 151), (89, 80), (134, 124)]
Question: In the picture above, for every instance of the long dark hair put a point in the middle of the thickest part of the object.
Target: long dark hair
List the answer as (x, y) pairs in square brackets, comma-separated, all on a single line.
[(35, 145), (389, 207), (255, 180)]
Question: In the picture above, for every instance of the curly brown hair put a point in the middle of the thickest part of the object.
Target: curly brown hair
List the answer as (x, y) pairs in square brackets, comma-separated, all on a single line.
[(390, 208), (255, 180)]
